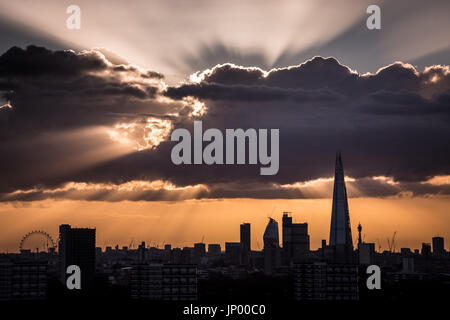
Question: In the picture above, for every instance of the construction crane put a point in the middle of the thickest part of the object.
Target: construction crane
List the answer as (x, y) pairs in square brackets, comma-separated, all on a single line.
[(391, 243), (379, 245)]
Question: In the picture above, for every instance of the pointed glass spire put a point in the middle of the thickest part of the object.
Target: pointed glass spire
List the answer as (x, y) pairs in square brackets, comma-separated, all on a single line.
[(340, 232)]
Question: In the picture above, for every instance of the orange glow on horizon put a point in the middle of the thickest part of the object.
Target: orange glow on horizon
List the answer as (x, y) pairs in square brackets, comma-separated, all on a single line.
[(183, 223)]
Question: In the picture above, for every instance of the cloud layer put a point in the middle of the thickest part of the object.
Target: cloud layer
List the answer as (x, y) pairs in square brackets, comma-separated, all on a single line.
[(80, 118)]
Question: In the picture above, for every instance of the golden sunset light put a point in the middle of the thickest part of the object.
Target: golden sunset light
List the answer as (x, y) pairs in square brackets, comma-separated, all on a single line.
[(203, 153)]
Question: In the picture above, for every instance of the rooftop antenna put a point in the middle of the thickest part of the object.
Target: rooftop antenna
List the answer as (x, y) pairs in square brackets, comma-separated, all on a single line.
[(359, 233)]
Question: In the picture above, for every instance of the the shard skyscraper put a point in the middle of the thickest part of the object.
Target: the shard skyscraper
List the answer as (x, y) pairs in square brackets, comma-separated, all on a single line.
[(340, 231)]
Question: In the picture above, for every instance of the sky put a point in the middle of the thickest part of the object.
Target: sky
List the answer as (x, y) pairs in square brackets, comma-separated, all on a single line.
[(86, 117)]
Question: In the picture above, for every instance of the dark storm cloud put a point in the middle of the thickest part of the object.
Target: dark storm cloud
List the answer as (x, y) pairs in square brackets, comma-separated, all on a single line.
[(54, 98), (249, 93), (320, 73), (393, 123), (399, 103), (317, 72), (39, 61), (63, 89)]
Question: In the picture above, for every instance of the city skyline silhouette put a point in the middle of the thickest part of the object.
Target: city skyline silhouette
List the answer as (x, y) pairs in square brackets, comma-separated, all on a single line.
[(174, 155)]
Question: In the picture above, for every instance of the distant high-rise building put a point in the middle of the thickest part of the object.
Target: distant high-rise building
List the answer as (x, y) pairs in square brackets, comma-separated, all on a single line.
[(164, 282), (408, 264), (405, 252), (141, 252), (245, 243), (323, 281), (359, 233), (199, 251), (167, 253), (340, 231), (214, 250), (438, 246), (176, 256), (77, 247), (426, 249), (295, 240), (272, 256), (187, 255), (366, 253), (233, 252), (23, 280)]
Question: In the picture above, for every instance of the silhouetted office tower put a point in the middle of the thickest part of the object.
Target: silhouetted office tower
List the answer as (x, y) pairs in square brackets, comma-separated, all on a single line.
[(233, 252), (141, 252), (359, 233), (295, 240), (272, 256), (323, 281), (366, 253), (187, 255), (408, 264), (23, 280), (77, 247), (245, 243), (323, 248), (214, 250), (340, 231), (199, 251), (438, 246), (426, 249), (164, 282), (405, 252), (176, 256)]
